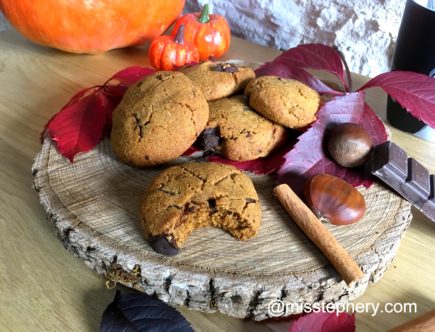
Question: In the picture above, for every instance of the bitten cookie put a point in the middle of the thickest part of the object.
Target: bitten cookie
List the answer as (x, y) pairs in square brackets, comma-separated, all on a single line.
[(287, 102), (194, 195), (158, 119), (218, 80), (238, 132)]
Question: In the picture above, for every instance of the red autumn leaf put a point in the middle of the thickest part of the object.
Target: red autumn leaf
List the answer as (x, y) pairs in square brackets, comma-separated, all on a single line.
[(316, 56), (265, 165), (79, 95), (118, 83), (191, 151), (343, 322), (324, 322), (74, 99), (79, 127), (415, 92), (129, 75), (81, 124), (308, 157)]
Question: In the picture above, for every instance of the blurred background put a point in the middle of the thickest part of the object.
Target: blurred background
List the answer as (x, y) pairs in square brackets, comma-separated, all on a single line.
[(3, 24), (364, 30)]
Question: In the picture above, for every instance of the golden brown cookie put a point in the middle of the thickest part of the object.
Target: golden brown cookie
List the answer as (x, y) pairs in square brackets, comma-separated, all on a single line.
[(158, 119), (218, 80), (287, 102), (239, 133), (194, 195)]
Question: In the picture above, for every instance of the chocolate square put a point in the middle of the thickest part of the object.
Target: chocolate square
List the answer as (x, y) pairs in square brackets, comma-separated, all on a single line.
[(418, 179), (405, 175)]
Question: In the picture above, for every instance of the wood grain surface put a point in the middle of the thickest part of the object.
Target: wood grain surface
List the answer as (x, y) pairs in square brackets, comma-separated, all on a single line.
[(93, 203), (44, 287)]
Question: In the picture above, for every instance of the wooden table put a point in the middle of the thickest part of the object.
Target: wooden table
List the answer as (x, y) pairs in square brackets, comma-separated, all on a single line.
[(44, 287)]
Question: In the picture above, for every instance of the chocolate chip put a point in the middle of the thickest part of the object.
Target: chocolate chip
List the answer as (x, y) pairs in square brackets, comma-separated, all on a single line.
[(212, 204), (210, 139), (190, 208), (163, 77), (162, 245), (226, 68)]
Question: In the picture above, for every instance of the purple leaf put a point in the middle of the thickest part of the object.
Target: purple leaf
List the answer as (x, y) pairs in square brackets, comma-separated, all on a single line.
[(308, 157), (287, 69), (373, 125), (317, 56), (141, 313)]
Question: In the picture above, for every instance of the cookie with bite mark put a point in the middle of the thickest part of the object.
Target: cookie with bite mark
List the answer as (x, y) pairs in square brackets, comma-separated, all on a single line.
[(190, 196)]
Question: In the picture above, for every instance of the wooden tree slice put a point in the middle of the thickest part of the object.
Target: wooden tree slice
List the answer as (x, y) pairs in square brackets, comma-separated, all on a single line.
[(94, 205)]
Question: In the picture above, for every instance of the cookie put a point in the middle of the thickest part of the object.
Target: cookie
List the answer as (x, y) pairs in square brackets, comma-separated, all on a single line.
[(218, 80), (195, 195), (158, 119), (239, 133), (285, 101)]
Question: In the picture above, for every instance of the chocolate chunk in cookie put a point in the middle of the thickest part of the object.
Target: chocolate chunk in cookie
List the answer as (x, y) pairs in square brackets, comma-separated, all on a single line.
[(163, 245), (210, 139), (284, 101), (195, 195), (158, 119), (226, 67), (243, 133), (218, 80)]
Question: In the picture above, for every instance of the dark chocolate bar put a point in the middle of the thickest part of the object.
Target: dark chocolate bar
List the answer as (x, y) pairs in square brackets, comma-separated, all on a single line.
[(405, 175)]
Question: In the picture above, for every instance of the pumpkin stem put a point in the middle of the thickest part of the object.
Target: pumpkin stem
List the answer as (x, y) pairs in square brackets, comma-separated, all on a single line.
[(179, 37), (204, 18)]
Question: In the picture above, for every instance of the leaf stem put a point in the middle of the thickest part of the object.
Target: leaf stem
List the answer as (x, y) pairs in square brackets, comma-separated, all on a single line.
[(346, 67)]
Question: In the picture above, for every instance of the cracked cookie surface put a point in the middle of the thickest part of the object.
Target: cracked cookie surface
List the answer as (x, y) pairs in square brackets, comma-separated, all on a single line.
[(158, 119), (218, 80), (194, 195), (242, 134), (285, 101)]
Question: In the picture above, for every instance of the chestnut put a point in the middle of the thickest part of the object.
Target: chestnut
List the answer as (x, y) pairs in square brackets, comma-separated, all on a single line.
[(333, 199), (349, 144)]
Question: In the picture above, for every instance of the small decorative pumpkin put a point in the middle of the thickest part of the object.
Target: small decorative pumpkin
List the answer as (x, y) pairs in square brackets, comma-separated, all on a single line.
[(168, 53), (91, 26), (209, 32)]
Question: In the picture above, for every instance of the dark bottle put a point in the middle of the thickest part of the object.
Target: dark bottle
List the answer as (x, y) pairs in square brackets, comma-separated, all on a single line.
[(415, 51)]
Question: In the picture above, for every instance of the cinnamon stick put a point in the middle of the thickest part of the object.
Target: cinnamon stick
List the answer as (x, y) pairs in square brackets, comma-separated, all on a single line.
[(420, 324), (319, 234)]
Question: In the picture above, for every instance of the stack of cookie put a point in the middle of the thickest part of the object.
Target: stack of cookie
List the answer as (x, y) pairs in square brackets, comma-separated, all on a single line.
[(161, 116)]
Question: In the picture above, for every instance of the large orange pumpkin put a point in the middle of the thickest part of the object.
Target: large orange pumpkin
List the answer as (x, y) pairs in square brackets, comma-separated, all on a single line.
[(90, 26)]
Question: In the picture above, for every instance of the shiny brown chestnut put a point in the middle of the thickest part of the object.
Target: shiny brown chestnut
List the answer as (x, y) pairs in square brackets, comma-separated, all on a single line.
[(349, 144), (333, 199)]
